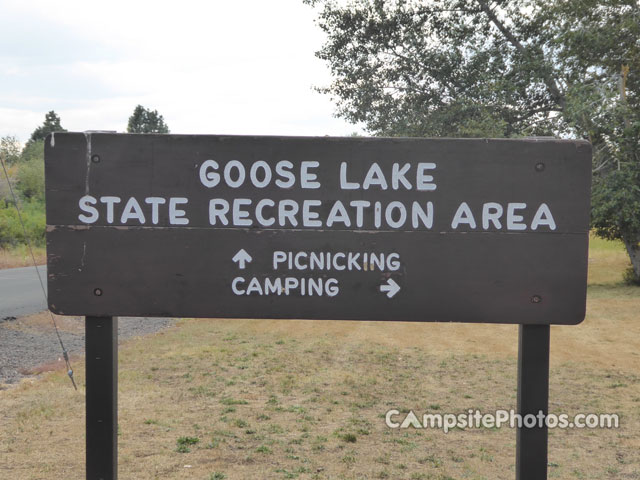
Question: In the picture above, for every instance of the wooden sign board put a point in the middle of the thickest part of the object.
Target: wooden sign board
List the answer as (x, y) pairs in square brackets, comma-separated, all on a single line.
[(464, 230)]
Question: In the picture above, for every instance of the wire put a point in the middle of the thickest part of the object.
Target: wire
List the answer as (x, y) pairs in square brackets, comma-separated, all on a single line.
[(65, 354)]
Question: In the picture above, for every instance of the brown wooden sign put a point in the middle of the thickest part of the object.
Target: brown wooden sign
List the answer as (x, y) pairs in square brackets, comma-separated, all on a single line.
[(321, 228)]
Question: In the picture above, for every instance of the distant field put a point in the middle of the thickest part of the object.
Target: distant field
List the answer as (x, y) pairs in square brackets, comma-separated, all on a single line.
[(253, 399)]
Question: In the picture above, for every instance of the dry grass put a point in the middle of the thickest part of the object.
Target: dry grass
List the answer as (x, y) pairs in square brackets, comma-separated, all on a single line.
[(20, 257), (305, 399)]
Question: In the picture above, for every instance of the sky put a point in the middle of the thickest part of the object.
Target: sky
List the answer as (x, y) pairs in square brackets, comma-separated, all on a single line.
[(209, 67)]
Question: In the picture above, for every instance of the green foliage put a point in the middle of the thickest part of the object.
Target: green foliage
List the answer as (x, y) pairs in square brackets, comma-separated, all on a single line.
[(11, 233), (616, 203), (629, 277), (9, 150), (30, 179), (32, 151), (436, 69), (28, 185), (144, 120), (51, 124), (469, 68), (264, 449), (349, 437), (183, 443)]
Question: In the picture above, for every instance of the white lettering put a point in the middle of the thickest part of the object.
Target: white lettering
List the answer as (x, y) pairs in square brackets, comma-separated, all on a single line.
[(265, 222), (155, 202), (234, 164), (110, 201), (543, 217), (491, 212), (513, 220), (218, 209), (338, 213), (423, 181), (85, 205), (208, 175), (397, 176), (308, 179), (283, 168), (309, 218), (374, 177), (287, 209), (360, 205), (234, 285), (463, 215), (417, 213), (344, 184), (133, 211), (241, 217), (177, 216), (388, 214), (266, 176), (278, 257)]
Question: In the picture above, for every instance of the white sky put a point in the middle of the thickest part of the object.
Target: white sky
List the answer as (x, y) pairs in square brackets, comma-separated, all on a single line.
[(216, 67)]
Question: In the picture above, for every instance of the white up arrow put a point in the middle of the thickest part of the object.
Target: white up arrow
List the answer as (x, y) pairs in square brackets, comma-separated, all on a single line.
[(242, 258), (391, 288)]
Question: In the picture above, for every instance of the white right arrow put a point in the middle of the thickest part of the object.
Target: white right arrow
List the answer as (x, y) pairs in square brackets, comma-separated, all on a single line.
[(391, 288), (242, 258)]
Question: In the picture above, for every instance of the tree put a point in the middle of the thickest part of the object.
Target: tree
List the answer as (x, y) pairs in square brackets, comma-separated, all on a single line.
[(51, 124), (144, 120), (10, 149), (9, 156), (32, 151), (463, 68)]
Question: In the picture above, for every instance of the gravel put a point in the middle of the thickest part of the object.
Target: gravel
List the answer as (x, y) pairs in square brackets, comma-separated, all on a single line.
[(24, 347)]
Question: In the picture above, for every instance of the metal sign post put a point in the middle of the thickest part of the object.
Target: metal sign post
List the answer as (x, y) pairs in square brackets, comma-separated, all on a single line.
[(389, 229)]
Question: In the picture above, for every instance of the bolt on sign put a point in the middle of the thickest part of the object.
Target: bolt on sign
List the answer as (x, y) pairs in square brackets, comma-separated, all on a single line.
[(448, 230)]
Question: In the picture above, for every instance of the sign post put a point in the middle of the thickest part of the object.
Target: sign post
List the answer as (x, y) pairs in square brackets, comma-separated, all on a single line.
[(101, 358), (389, 229), (533, 398)]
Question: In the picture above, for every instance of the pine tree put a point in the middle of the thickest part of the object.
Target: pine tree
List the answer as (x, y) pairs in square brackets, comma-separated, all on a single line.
[(144, 120), (51, 124)]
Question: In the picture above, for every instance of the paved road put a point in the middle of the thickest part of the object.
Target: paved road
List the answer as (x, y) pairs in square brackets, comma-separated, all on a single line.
[(20, 292)]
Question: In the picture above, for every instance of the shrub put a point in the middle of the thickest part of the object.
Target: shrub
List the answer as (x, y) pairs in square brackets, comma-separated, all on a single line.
[(629, 277), (11, 233)]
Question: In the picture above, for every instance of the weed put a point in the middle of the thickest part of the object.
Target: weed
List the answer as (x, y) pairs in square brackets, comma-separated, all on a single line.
[(183, 443), (348, 459), (240, 423), (349, 438), (213, 443)]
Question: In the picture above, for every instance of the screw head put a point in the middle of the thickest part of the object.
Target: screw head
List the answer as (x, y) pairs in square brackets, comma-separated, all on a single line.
[(536, 299), (540, 167), (95, 158), (97, 292)]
